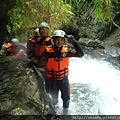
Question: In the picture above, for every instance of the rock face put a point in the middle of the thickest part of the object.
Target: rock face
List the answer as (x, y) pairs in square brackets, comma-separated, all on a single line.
[(112, 44), (22, 89)]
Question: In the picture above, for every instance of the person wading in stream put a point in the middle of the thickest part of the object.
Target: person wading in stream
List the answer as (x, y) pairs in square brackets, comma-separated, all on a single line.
[(55, 60)]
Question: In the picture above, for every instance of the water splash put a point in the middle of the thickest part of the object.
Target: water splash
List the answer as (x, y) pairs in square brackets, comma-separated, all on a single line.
[(94, 88)]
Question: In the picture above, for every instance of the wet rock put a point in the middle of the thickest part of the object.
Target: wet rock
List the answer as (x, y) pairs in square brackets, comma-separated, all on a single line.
[(112, 44), (22, 89), (91, 43)]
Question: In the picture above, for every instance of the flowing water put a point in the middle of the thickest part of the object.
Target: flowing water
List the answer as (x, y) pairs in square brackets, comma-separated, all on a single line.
[(95, 86)]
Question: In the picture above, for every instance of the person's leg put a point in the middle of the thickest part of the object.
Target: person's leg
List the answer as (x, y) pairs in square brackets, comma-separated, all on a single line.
[(47, 85), (55, 96), (65, 92), (55, 90)]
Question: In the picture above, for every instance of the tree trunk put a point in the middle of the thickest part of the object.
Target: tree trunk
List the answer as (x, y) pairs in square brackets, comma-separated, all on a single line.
[(3, 30), (5, 6)]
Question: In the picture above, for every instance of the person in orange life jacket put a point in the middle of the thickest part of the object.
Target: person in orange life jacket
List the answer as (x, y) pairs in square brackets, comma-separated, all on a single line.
[(45, 39), (37, 45), (30, 44), (55, 60), (14, 48), (40, 46)]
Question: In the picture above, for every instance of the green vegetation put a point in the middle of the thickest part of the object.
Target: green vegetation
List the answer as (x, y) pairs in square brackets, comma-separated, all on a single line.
[(27, 14)]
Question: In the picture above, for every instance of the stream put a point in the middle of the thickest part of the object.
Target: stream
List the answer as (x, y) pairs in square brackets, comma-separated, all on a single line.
[(95, 86)]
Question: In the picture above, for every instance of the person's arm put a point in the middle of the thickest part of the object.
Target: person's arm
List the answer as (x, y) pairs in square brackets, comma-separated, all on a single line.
[(43, 59), (78, 51), (30, 50), (78, 48), (48, 43)]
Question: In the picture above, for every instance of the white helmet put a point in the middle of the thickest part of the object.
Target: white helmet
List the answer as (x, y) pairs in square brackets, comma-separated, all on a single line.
[(44, 24), (36, 32), (59, 33), (15, 40), (22, 52)]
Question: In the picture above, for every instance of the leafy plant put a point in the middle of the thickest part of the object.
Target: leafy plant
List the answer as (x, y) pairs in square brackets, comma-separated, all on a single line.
[(29, 14)]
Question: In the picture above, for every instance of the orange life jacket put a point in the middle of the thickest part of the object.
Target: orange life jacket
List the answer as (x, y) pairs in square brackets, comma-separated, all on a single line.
[(12, 52), (32, 40), (9, 47), (57, 68), (39, 48)]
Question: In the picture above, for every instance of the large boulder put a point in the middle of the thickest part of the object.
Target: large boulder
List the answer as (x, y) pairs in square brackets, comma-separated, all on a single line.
[(112, 44), (91, 43), (22, 89)]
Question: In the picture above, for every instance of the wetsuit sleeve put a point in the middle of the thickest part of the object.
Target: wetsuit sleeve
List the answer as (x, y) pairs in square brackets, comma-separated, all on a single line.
[(42, 60), (77, 52), (30, 49), (48, 43), (77, 47)]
